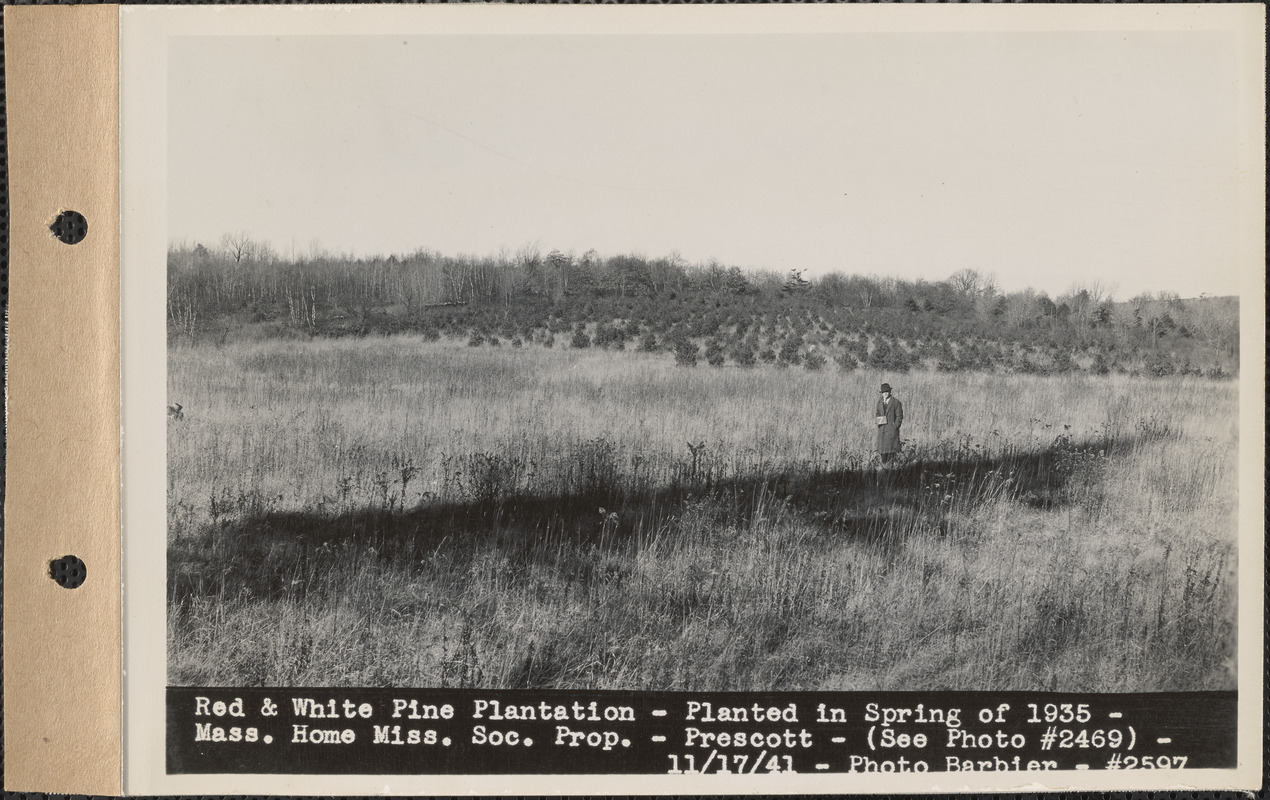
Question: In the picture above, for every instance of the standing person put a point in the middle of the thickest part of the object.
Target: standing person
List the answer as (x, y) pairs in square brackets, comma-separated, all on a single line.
[(889, 418)]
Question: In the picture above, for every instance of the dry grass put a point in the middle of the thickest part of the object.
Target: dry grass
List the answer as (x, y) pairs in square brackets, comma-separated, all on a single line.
[(397, 512)]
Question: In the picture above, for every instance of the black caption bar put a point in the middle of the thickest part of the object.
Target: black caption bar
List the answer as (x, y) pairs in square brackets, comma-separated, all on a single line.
[(453, 731)]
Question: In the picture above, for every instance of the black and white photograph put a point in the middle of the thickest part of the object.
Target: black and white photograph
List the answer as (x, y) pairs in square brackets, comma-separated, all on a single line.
[(671, 359)]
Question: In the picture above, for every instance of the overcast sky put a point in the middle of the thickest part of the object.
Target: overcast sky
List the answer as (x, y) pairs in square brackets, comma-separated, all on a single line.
[(1046, 158)]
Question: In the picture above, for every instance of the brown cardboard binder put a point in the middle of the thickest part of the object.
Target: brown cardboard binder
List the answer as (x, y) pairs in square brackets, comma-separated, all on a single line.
[(63, 654)]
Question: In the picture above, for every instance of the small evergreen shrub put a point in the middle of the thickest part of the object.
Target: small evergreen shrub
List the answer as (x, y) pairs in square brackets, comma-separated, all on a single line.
[(686, 353), (743, 354)]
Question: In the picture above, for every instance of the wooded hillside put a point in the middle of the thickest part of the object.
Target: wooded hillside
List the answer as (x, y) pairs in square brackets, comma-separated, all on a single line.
[(713, 312)]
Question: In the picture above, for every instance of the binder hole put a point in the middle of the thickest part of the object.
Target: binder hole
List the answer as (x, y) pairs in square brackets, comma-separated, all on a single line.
[(68, 571), (70, 227)]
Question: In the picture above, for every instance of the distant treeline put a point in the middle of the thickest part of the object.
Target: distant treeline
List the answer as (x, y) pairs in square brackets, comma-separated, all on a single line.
[(241, 288)]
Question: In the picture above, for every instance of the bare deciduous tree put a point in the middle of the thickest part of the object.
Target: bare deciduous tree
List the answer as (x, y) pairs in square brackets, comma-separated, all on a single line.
[(238, 246), (967, 281)]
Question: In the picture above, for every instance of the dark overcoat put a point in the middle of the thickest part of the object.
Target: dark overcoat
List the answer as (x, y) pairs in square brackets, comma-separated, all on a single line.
[(889, 434)]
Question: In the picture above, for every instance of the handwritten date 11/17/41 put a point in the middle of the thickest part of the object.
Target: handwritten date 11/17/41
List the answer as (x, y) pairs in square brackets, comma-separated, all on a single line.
[(724, 764)]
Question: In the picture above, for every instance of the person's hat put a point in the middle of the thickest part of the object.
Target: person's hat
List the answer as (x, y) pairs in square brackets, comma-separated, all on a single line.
[(886, 387)]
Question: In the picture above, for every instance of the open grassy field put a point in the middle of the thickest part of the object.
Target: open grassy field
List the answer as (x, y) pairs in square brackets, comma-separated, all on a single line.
[(392, 511)]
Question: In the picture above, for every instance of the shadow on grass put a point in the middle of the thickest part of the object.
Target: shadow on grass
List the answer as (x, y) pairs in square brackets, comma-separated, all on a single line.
[(269, 553)]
